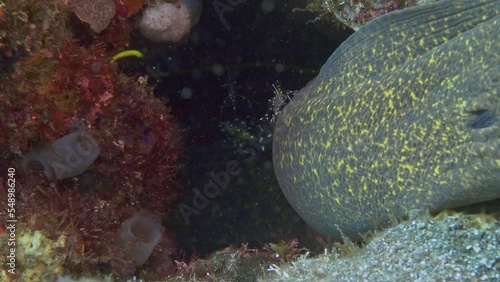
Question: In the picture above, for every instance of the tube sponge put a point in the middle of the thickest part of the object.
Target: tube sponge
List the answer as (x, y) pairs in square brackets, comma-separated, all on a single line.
[(169, 22), (145, 231), (68, 156)]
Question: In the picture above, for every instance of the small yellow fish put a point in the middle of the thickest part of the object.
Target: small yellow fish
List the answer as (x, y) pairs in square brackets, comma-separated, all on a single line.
[(127, 53)]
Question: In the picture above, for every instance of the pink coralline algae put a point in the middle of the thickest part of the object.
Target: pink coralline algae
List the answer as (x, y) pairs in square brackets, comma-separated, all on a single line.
[(97, 13)]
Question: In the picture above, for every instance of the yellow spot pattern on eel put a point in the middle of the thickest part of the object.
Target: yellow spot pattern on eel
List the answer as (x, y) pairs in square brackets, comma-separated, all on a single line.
[(385, 127)]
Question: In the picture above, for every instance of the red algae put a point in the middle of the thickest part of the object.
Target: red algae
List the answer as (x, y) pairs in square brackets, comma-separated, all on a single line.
[(57, 85), (128, 8), (234, 263)]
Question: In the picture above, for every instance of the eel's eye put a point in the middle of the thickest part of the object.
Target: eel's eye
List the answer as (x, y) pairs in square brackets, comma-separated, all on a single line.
[(484, 118)]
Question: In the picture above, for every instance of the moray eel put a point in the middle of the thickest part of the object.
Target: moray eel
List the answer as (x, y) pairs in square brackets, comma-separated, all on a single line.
[(400, 119)]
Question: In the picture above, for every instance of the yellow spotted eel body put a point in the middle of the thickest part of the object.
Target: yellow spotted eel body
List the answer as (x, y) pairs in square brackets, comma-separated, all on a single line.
[(403, 116)]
